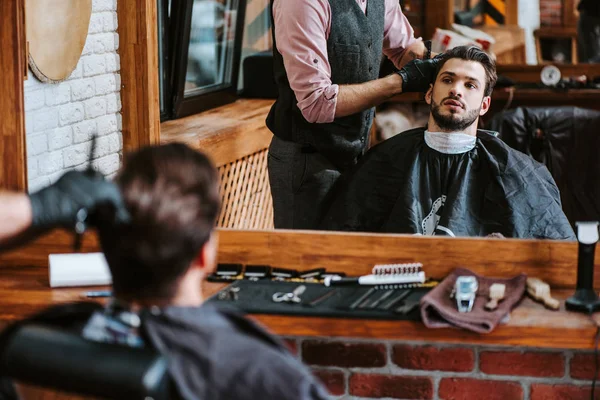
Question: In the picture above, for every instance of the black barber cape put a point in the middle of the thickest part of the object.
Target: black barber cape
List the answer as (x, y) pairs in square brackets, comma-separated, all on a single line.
[(213, 353), (217, 354), (404, 186)]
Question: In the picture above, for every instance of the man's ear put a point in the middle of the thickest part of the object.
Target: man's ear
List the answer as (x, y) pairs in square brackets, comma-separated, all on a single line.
[(207, 256), (485, 105), (429, 94)]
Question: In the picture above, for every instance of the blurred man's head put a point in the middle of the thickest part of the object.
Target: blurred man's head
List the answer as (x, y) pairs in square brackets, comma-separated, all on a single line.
[(171, 192), (462, 90)]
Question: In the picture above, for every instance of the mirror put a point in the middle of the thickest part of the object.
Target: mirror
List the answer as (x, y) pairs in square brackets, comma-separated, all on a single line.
[(528, 31), (515, 26)]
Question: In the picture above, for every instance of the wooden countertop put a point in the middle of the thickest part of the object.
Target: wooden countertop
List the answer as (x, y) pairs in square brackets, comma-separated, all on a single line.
[(24, 291)]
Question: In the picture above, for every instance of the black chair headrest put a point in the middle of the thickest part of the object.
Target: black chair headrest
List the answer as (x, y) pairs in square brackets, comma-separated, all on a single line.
[(48, 357)]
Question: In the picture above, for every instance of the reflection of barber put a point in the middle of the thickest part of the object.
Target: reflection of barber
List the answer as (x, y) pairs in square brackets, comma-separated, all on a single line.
[(57, 204), (588, 31), (326, 65)]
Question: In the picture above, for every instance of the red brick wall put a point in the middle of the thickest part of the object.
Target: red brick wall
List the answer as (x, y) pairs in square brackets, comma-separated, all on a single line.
[(376, 369), (551, 12)]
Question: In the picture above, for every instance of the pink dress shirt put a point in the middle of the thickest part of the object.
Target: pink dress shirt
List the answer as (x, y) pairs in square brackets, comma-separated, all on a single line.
[(302, 29)]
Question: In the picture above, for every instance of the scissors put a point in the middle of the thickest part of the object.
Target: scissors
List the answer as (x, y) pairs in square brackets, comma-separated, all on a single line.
[(291, 297)]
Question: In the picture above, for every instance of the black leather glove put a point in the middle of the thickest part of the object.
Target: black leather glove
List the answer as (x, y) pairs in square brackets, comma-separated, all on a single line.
[(418, 74), (59, 203)]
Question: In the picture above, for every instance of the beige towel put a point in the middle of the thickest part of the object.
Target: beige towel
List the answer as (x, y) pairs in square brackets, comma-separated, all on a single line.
[(438, 310)]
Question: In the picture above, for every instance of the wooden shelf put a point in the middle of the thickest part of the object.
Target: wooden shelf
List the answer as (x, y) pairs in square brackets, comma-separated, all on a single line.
[(24, 291)]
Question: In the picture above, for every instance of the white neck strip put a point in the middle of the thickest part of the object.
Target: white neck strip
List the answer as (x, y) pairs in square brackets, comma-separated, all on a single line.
[(450, 142)]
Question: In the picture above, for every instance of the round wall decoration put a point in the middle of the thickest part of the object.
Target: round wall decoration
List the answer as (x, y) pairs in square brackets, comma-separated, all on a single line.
[(56, 33)]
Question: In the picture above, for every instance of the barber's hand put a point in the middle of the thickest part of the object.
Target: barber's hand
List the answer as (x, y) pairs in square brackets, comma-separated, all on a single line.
[(418, 74), (58, 204)]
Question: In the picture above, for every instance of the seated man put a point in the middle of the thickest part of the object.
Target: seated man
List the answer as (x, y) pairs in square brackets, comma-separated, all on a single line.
[(158, 262), (450, 178)]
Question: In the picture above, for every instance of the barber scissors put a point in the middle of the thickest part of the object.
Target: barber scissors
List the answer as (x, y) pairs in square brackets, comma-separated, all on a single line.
[(290, 297)]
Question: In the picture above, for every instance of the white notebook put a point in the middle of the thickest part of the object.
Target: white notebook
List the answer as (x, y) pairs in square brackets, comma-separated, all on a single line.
[(78, 269)]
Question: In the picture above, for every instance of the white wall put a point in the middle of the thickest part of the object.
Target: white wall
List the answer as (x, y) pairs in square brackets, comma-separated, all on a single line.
[(60, 118), (529, 19)]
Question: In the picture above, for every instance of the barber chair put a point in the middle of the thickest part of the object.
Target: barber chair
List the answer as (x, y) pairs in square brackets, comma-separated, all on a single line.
[(567, 141), (46, 356)]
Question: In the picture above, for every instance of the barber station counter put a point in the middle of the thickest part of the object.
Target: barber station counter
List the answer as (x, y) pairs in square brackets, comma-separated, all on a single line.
[(537, 354), (25, 290)]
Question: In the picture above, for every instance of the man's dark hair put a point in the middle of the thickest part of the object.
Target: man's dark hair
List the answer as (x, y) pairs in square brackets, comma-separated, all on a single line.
[(472, 53), (172, 194)]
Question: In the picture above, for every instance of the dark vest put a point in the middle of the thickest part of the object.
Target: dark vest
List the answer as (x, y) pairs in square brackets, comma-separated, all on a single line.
[(354, 51)]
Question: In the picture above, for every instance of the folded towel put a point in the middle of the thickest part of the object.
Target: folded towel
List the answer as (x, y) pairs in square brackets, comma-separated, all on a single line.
[(438, 310)]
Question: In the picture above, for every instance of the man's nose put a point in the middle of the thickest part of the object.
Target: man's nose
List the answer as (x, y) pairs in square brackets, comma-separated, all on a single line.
[(455, 91)]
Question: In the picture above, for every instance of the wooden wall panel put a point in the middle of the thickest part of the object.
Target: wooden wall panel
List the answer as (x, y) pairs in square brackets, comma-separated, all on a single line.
[(138, 50), (13, 64), (438, 14)]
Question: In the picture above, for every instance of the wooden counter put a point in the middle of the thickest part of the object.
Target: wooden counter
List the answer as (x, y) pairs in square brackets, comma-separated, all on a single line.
[(25, 290)]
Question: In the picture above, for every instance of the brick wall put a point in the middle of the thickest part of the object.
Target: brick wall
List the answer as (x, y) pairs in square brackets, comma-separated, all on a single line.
[(551, 12), (354, 369), (60, 118)]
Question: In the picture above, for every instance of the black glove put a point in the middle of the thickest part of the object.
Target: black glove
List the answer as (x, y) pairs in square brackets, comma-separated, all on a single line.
[(418, 74), (58, 204)]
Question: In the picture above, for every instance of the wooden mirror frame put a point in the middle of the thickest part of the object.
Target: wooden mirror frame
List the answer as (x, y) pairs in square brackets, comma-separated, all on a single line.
[(138, 51)]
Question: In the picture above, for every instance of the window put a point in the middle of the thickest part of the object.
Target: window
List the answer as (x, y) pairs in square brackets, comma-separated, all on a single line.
[(199, 47)]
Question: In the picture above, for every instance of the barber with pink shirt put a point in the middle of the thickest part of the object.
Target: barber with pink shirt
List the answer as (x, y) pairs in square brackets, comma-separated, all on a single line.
[(326, 65)]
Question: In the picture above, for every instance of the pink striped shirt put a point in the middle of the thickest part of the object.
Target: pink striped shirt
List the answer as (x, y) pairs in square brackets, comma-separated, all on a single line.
[(302, 28)]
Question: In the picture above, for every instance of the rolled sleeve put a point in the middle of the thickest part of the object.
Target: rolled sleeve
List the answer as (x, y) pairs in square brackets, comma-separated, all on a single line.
[(301, 31)]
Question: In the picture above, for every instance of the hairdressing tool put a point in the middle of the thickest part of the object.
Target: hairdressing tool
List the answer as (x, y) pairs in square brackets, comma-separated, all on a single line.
[(283, 273), (395, 300), (228, 271), (540, 291), (320, 299), (256, 272), (406, 308), (383, 297), (82, 213), (497, 291), (362, 298), (585, 298), (291, 297), (465, 291), (311, 274), (387, 274), (230, 293), (427, 54), (97, 293)]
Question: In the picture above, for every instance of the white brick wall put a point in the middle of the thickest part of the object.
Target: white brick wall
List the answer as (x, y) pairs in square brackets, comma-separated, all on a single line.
[(61, 118)]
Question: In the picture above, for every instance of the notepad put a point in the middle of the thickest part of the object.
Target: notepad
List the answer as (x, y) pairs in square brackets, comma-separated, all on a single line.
[(78, 269)]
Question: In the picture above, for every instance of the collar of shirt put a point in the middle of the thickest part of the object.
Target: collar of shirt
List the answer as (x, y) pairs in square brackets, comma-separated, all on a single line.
[(450, 142)]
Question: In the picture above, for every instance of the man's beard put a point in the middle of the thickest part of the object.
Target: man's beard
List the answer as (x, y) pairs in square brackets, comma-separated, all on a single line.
[(453, 122)]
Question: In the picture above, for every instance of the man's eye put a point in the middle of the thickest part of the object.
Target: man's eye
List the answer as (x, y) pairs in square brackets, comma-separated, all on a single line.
[(446, 80), (471, 86)]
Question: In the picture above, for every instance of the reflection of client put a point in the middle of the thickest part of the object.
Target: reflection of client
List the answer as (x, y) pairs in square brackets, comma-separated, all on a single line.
[(450, 178), (588, 34)]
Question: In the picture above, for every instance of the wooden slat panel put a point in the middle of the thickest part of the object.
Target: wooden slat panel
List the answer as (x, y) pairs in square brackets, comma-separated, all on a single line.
[(355, 253), (246, 201), (138, 50), (226, 134), (13, 161)]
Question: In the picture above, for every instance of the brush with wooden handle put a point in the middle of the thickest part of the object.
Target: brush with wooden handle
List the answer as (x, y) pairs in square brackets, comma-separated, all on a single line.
[(497, 291), (540, 291)]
